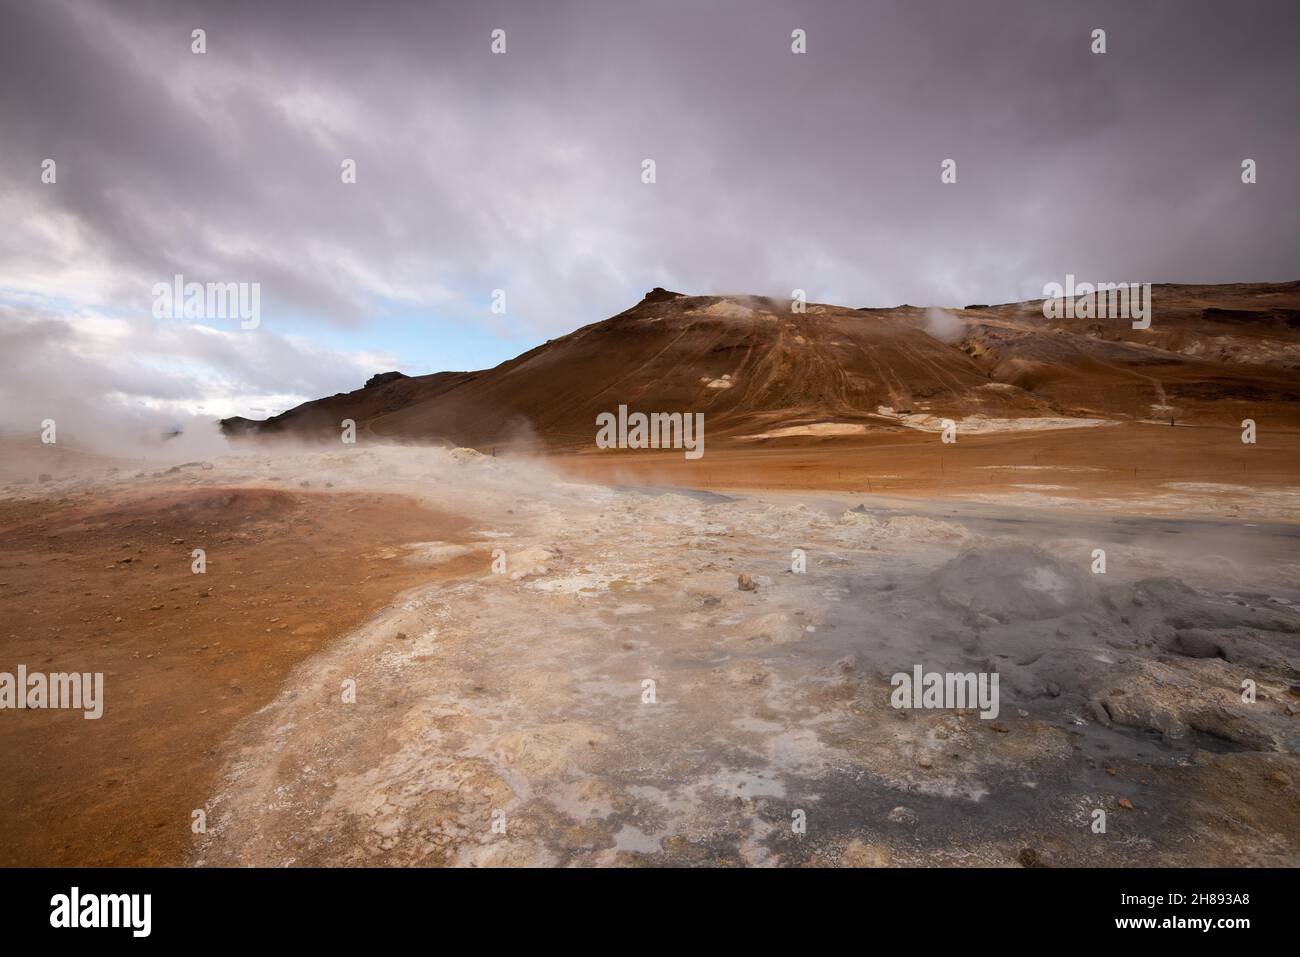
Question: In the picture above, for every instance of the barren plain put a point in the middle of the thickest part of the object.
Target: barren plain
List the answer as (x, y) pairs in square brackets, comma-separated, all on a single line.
[(499, 619)]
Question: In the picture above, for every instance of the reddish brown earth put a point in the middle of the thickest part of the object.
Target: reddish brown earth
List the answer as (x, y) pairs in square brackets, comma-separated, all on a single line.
[(96, 587)]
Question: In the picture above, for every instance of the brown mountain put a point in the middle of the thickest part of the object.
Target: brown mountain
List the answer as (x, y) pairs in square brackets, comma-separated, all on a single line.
[(1211, 354)]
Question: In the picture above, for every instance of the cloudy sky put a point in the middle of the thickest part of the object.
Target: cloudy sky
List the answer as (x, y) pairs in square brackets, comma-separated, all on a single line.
[(522, 172)]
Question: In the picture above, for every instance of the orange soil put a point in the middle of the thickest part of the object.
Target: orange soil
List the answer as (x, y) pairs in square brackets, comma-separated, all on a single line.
[(1132, 460), (184, 656)]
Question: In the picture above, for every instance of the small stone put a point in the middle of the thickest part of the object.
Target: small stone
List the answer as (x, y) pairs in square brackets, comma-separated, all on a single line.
[(999, 727), (1097, 711), (745, 583), (1126, 804), (861, 854), (902, 815)]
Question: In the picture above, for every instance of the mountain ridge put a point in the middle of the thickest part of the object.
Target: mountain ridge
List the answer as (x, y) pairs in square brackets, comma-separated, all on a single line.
[(1212, 354)]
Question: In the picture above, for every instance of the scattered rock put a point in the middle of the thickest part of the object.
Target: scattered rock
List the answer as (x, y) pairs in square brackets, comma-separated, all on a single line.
[(745, 583)]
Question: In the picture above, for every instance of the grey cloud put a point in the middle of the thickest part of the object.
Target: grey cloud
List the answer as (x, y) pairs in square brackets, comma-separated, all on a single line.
[(775, 171)]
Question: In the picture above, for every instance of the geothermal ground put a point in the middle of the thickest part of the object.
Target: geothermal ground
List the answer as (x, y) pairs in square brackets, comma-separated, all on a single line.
[(503, 716)]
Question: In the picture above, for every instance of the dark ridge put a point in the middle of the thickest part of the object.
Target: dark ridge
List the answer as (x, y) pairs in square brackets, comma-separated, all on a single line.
[(382, 378), (660, 294)]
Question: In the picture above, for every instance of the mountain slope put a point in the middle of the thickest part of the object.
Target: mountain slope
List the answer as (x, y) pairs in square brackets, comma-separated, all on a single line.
[(1212, 354)]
